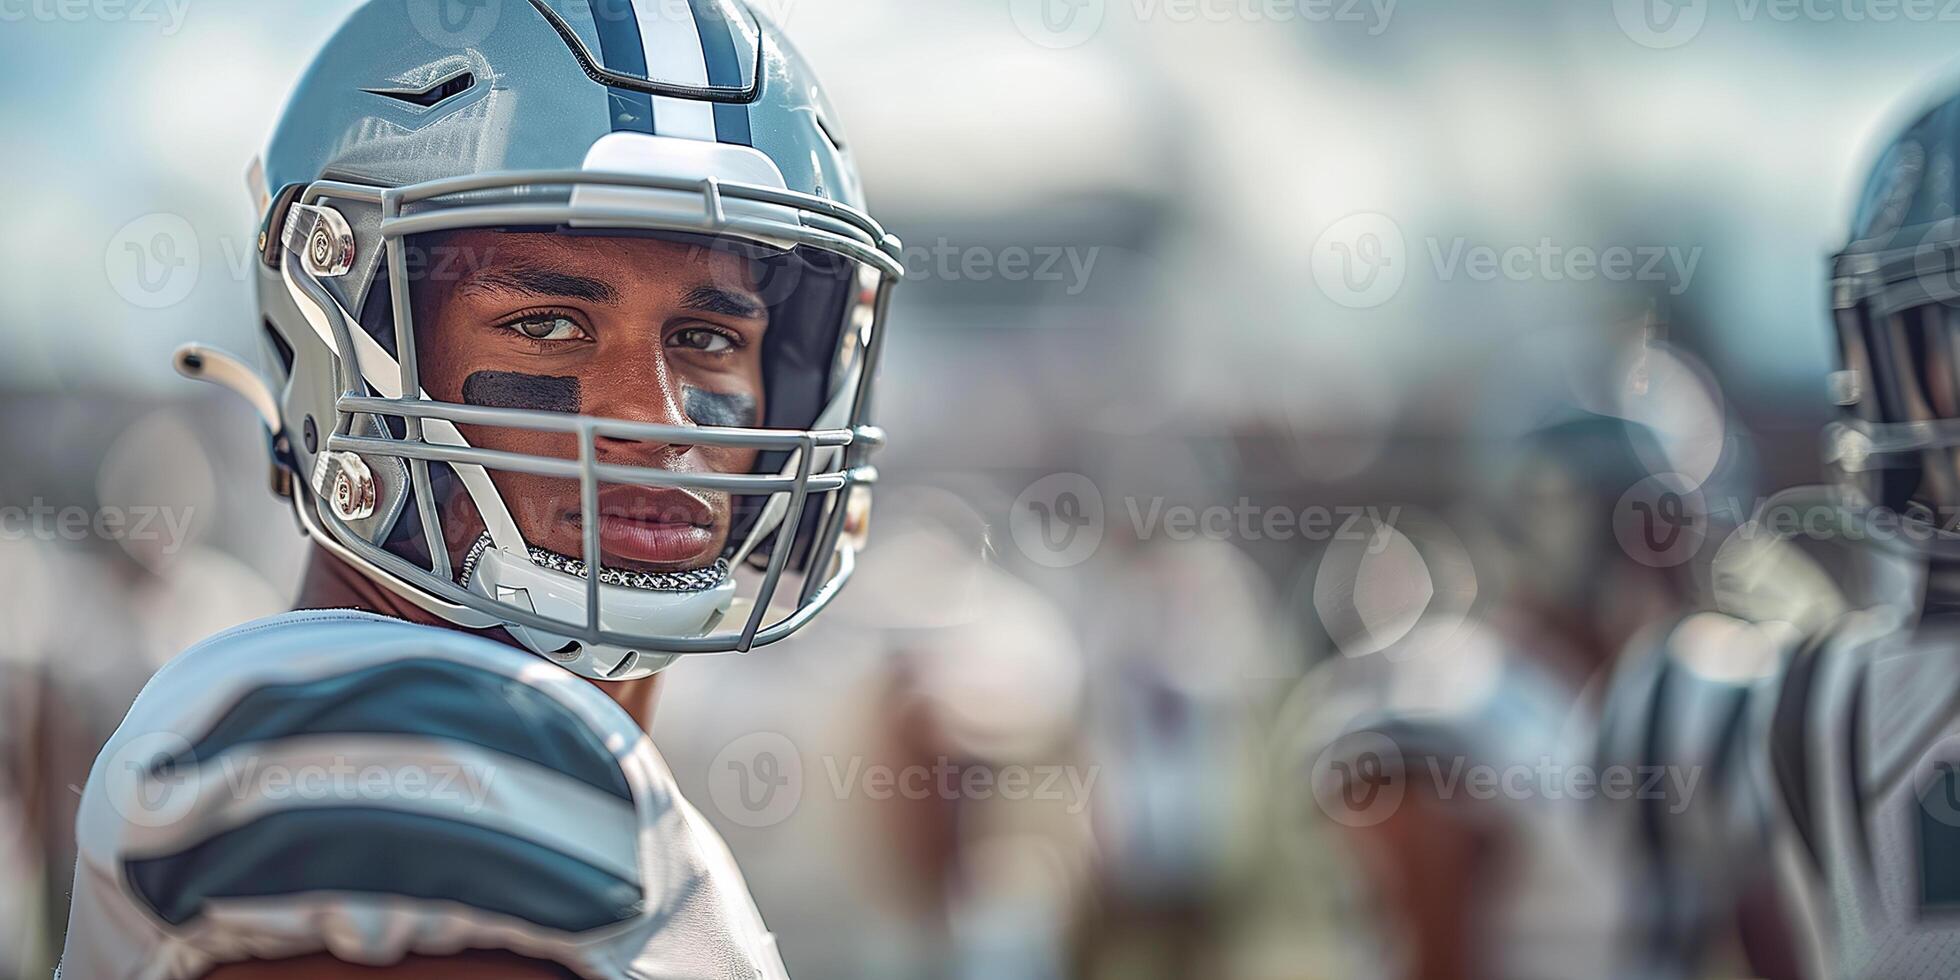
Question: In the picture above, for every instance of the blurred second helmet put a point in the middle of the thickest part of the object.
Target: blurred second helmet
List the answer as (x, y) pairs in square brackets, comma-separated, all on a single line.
[(1895, 298)]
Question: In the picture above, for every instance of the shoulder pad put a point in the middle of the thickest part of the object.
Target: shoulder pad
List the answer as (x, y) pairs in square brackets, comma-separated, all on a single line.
[(368, 787)]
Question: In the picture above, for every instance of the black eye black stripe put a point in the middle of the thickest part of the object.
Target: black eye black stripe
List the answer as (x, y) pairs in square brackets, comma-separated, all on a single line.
[(508, 389), (719, 408)]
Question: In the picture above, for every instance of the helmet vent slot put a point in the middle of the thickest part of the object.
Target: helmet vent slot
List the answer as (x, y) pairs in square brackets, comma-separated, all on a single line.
[(829, 134), (626, 665), (441, 91)]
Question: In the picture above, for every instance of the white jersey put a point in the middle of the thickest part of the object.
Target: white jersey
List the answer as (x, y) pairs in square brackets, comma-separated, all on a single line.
[(350, 784), (1837, 770)]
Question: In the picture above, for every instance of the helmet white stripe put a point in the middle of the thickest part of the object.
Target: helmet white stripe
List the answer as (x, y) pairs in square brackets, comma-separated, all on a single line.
[(673, 49)]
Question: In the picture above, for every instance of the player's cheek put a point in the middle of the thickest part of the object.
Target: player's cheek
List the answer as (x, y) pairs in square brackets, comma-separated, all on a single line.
[(538, 504), (525, 442), (725, 459)]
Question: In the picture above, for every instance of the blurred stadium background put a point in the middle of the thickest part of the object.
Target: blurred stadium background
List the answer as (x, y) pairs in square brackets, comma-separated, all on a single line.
[(1187, 347)]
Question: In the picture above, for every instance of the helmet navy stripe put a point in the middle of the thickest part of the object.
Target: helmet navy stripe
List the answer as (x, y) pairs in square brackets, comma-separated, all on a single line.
[(732, 124), (621, 50), (724, 68)]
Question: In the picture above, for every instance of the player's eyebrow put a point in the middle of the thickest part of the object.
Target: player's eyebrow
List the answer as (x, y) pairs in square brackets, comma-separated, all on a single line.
[(715, 299), (533, 281)]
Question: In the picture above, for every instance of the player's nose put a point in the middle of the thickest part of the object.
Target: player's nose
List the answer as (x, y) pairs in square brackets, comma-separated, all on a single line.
[(644, 390)]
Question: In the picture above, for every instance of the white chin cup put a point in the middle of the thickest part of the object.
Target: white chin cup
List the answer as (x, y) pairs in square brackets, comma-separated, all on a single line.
[(517, 581)]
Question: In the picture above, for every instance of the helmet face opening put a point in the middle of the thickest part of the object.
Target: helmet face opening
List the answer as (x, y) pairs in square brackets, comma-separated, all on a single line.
[(586, 408)]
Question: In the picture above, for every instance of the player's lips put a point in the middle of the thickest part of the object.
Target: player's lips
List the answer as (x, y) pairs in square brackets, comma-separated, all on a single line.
[(659, 527)]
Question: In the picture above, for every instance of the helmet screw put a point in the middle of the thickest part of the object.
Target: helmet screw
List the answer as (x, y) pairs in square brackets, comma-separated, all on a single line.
[(321, 237), (353, 488)]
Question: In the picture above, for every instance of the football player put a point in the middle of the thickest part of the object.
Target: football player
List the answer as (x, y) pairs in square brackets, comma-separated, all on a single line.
[(1825, 711), (571, 312), (1488, 681)]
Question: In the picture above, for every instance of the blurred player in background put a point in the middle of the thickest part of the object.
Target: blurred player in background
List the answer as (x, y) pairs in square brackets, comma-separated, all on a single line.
[(1450, 744), (1822, 705)]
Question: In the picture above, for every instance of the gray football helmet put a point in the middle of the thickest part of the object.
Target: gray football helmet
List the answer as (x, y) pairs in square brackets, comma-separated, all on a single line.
[(1895, 297), (693, 120)]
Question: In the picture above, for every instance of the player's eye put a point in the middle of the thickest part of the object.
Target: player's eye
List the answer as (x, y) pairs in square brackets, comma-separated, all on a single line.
[(547, 328), (702, 339)]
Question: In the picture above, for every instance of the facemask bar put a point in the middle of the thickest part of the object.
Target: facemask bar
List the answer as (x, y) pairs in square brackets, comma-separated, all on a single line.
[(727, 209), (1894, 443)]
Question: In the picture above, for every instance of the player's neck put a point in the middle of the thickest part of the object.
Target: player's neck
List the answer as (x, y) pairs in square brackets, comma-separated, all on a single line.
[(333, 584)]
